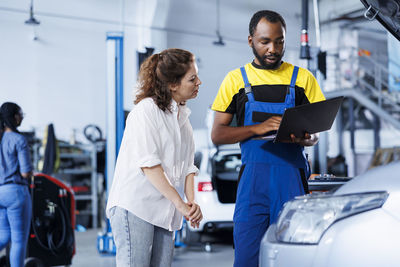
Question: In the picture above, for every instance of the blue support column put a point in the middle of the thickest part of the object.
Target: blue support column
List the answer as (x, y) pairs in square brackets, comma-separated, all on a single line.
[(119, 90), (115, 121), (117, 41)]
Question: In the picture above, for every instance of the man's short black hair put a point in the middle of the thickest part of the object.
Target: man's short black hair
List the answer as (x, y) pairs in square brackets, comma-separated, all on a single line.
[(269, 15)]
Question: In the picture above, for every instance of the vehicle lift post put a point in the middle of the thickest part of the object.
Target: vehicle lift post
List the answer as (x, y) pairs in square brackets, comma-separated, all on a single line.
[(114, 123)]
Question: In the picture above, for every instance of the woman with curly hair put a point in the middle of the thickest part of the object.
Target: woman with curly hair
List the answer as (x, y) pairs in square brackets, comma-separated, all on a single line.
[(155, 165)]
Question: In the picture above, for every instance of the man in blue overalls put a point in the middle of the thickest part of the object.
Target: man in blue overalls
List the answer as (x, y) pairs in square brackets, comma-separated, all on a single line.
[(257, 94)]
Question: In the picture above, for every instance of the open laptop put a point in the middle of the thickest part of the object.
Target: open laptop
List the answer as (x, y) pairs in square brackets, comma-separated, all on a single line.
[(309, 118)]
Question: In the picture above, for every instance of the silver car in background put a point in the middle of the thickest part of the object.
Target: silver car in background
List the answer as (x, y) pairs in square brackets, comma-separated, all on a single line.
[(357, 225)]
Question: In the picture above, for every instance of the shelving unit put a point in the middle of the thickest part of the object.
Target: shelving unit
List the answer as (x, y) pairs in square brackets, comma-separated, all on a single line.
[(85, 159)]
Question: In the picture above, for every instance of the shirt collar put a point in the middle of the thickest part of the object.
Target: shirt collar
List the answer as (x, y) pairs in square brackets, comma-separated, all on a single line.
[(184, 111), (174, 106)]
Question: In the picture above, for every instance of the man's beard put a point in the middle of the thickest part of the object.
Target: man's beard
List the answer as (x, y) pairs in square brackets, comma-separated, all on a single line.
[(264, 64)]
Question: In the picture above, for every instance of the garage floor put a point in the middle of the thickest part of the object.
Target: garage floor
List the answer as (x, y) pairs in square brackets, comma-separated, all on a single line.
[(220, 256)]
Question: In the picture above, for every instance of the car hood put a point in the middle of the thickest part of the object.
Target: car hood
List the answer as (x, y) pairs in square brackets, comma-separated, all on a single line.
[(387, 12), (384, 178)]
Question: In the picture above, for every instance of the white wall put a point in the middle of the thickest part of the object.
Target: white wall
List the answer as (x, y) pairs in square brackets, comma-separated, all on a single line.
[(215, 62), (61, 77)]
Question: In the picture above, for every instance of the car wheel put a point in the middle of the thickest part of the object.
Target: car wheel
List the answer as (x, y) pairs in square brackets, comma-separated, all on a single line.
[(208, 247), (3, 261), (33, 262), (189, 236)]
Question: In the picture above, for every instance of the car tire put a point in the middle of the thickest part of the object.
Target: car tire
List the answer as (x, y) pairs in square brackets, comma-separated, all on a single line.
[(3, 261), (190, 237), (208, 247), (33, 262)]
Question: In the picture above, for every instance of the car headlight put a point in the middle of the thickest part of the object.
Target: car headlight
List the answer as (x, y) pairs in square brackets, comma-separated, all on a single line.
[(305, 219)]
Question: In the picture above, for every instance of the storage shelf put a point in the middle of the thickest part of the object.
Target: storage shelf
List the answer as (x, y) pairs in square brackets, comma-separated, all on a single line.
[(75, 171), (83, 197), (74, 156)]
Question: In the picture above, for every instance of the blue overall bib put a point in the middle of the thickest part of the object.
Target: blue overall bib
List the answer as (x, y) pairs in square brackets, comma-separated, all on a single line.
[(270, 177)]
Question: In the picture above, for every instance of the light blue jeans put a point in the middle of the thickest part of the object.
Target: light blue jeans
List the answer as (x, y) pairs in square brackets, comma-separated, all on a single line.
[(139, 243), (15, 219)]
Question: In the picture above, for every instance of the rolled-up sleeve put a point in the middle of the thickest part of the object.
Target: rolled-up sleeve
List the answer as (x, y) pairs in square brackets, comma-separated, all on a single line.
[(24, 159), (193, 169), (145, 136)]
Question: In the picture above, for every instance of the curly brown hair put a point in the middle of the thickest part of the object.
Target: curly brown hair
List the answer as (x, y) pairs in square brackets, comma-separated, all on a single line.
[(159, 72)]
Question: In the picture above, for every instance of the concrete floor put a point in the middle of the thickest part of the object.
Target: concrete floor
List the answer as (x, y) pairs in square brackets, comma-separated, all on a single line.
[(221, 254)]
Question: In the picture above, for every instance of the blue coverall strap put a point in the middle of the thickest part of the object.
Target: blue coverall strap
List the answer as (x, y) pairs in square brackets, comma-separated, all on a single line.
[(247, 85), (294, 77)]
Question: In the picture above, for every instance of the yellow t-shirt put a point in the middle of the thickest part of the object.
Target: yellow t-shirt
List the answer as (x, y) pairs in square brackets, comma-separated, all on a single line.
[(267, 86)]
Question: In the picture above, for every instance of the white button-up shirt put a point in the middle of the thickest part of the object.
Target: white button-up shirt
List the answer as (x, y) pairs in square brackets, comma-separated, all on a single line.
[(153, 137)]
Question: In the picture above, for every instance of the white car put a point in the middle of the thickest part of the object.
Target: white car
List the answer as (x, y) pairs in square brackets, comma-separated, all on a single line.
[(215, 190), (357, 225)]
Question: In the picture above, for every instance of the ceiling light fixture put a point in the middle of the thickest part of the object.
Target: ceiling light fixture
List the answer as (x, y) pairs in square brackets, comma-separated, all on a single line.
[(220, 41), (32, 21)]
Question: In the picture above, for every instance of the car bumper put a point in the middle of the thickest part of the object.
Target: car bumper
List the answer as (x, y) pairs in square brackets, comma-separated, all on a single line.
[(367, 239), (273, 253)]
